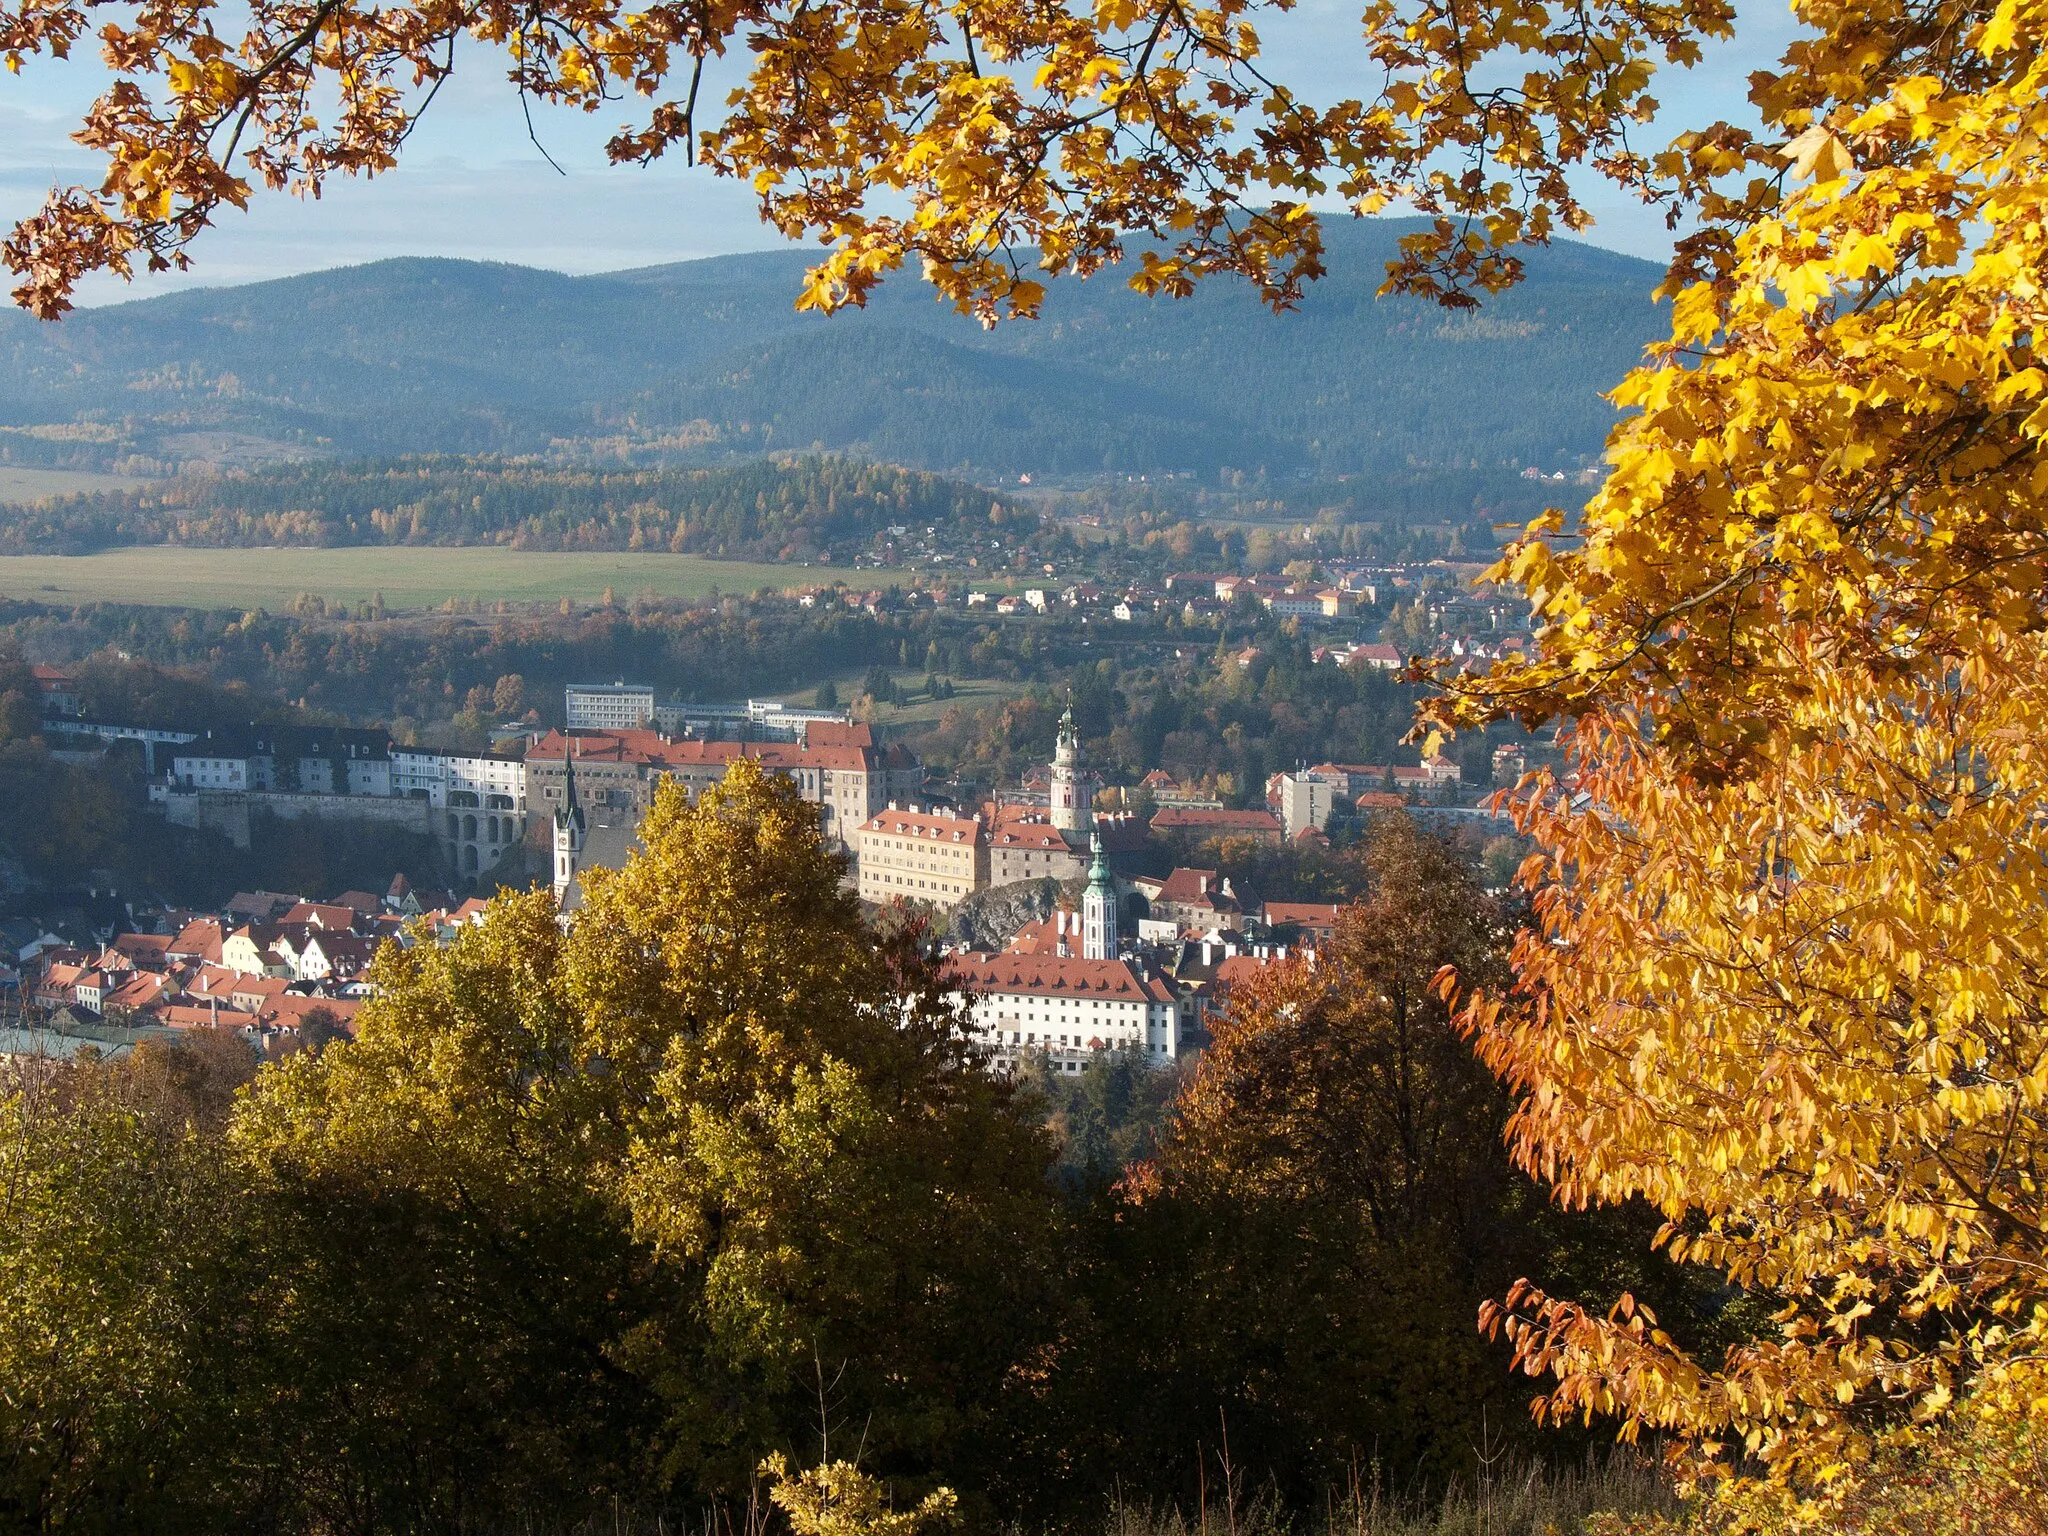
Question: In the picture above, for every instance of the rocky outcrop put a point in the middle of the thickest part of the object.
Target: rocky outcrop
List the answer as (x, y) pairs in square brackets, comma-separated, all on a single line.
[(986, 919)]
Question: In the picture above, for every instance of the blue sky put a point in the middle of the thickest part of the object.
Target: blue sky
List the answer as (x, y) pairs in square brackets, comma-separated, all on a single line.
[(474, 186)]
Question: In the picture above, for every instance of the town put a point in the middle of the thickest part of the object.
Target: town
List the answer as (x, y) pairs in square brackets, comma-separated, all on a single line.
[(1091, 932)]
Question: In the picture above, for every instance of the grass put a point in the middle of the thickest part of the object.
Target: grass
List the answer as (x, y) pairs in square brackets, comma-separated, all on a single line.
[(32, 485), (1526, 1499), (1508, 1500), (969, 694), (170, 576)]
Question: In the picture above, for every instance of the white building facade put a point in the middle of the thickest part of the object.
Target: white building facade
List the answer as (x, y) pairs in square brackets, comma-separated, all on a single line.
[(479, 802), (1067, 1010), (609, 706)]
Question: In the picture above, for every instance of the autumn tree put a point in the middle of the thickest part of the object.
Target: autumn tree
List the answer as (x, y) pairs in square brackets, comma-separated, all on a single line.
[(1787, 982), (983, 142), (709, 1155), (129, 1294), (1330, 1203), (508, 696)]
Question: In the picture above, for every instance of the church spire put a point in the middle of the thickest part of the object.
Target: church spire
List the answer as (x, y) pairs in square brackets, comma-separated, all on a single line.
[(571, 810), (1098, 906), (569, 829)]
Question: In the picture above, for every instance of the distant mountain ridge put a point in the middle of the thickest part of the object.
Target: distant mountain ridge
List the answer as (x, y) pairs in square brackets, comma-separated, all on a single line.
[(709, 358)]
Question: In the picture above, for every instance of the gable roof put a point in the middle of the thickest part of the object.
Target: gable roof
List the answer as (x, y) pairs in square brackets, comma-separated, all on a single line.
[(1197, 888), (331, 916), (199, 939), (1054, 976), (139, 990), (141, 948)]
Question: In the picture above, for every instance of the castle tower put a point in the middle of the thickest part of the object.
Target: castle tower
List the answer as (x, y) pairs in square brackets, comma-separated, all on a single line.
[(1072, 805), (1098, 907), (569, 829)]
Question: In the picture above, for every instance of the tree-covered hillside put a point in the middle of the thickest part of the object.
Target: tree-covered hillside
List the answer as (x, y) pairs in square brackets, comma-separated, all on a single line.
[(768, 509), (710, 357)]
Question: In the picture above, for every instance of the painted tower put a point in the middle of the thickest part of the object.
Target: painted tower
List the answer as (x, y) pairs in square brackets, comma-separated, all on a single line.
[(1072, 803), (569, 829), (1098, 907)]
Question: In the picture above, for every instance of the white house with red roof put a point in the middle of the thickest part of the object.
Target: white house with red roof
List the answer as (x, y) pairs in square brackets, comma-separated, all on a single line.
[(1066, 1008), (1070, 1007)]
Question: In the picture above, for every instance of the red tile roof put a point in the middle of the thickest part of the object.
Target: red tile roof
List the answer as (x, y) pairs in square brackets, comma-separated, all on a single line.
[(1178, 819), (203, 1016), (331, 916), (141, 948), (651, 749), (1052, 976), (1307, 914), (200, 940), (928, 824)]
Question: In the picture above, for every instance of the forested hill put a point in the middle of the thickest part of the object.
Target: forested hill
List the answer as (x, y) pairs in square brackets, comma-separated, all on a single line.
[(767, 509), (709, 357)]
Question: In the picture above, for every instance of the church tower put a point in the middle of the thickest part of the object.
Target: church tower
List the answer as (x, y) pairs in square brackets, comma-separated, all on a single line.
[(569, 828), (1072, 805), (1098, 907)]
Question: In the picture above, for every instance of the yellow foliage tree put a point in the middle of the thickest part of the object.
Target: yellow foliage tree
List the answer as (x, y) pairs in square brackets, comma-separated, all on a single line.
[(838, 1499), (1789, 981), (736, 1138)]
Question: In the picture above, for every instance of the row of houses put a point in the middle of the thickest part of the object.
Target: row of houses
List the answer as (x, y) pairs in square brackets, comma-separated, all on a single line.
[(267, 966)]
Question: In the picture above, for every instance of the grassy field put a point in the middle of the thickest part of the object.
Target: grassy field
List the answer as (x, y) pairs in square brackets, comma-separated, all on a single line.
[(30, 485), (408, 577), (968, 693)]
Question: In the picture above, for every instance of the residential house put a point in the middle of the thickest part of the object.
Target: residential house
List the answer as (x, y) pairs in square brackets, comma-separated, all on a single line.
[(260, 906), (1377, 655), (58, 692), (138, 992), (338, 955), (58, 985), (1313, 922), (255, 950), (334, 917), (198, 941), (1195, 898)]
